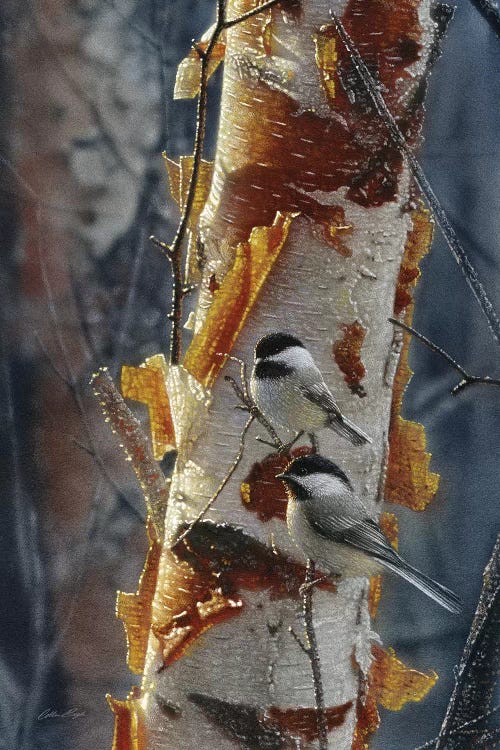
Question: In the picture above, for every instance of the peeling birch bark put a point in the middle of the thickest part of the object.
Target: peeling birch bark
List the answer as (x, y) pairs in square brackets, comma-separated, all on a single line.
[(304, 231)]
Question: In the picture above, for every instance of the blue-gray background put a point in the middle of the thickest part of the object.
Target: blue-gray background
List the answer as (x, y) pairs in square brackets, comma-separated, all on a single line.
[(451, 541)]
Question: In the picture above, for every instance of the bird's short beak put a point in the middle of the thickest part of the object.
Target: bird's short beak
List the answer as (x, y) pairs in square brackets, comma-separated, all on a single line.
[(284, 475)]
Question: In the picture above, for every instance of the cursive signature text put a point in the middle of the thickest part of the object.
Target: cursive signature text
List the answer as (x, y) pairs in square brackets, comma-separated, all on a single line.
[(51, 713)]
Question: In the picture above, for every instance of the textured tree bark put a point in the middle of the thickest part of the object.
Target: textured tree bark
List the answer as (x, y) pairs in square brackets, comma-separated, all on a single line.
[(304, 230)]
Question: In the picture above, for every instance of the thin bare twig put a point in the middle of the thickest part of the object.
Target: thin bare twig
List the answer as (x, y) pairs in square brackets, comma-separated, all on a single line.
[(298, 640), (467, 378), (221, 486), (458, 251), (250, 406), (109, 479), (490, 13), (174, 251), (463, 731), (242, 391), (313, 654), (478, 719), (480, 735)]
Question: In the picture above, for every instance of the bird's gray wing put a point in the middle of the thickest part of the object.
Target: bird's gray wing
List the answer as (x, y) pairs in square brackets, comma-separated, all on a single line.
[(319, 394), (365, 534)]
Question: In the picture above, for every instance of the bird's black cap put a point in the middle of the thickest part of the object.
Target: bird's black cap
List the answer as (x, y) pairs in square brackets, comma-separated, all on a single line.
[(274, 343), (314, 464)]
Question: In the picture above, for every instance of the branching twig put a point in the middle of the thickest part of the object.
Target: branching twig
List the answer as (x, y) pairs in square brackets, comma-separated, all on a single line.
[(467, 378), (173, 251), (248, 404), (221, 486), (490, 12), (311, 649), (458, 251)]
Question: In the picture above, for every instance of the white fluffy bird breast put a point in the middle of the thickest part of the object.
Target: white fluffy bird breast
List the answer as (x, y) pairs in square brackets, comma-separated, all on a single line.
[(287, 406), (331, 558)]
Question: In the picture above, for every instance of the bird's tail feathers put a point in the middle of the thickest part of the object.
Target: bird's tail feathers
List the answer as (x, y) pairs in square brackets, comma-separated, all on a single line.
[(348, 430), (433, 589)]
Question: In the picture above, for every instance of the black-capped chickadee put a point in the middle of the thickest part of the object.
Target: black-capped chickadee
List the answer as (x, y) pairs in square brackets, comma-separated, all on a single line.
[(330, 524), (289, 389)]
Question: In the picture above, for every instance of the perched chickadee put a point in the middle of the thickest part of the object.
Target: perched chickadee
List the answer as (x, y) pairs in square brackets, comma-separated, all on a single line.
[(332, 527), (289, 389)]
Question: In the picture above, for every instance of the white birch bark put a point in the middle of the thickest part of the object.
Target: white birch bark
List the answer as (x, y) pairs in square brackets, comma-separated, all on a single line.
[(311, 291)]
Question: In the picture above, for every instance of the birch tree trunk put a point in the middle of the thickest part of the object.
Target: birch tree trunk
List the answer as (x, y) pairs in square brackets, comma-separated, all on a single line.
[(304, 230)]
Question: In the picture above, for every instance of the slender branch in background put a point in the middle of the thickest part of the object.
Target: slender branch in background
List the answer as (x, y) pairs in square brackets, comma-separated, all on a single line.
[(476, 675), (480, 736), (174, 251), (109, 479), (449, 233), (154, 485), (92, 449), (78, 299), (221, 486), (311, 649), (140, 30), (490, 12), (467, 379)]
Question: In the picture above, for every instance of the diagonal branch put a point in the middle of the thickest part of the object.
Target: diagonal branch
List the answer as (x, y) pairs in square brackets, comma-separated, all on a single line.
[(449, 233), (478, 665), (480, 736), (221, 486), (467, 378)]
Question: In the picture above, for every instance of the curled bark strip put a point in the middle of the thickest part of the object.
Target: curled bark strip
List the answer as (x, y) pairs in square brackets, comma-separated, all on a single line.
[(136, 446)]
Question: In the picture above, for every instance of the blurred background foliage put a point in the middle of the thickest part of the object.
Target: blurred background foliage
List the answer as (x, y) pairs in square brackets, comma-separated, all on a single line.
[(86, 91)]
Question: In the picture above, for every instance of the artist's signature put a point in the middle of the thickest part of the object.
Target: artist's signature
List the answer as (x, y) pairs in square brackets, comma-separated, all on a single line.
[(51, 713)]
